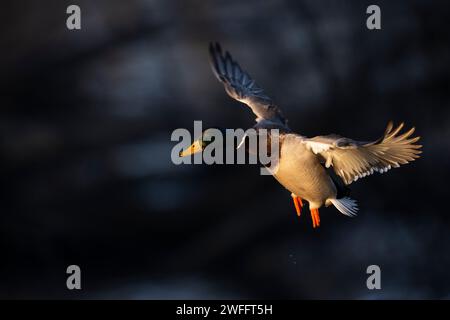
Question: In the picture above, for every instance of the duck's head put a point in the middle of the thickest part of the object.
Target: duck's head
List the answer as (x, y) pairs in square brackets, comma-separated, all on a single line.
[(208, 135)]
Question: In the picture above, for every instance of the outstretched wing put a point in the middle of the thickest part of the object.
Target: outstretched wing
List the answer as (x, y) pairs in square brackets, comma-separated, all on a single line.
[(352, 159), (240, 86)]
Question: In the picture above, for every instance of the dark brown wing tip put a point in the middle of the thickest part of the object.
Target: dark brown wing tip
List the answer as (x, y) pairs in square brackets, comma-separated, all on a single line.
[(216, 58), (215, 48)]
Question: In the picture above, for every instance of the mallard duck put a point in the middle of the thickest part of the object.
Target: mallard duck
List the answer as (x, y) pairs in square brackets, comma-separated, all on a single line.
[(304, 166)]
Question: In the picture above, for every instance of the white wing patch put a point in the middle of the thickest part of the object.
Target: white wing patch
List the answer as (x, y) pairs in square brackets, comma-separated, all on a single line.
[(375, 169), (317, 147)]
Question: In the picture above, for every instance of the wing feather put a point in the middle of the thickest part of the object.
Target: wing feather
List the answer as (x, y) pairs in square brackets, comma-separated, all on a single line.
[(352, 160), (240, 86)]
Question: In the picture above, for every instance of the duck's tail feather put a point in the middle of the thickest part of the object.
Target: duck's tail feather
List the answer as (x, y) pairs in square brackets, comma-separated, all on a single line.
[(346, 206)]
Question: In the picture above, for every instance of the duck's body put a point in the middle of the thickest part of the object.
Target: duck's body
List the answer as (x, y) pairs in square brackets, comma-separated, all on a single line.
[(311, 181), (304, 163)]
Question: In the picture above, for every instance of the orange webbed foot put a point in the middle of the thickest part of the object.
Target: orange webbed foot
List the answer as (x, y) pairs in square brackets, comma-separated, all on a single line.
[(298, 203), (315, 217)]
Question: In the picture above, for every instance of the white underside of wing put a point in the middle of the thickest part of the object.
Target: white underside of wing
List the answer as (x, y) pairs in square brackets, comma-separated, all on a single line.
[(317, 147)]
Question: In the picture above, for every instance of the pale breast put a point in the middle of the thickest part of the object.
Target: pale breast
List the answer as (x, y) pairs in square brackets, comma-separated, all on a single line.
[(300, 171)]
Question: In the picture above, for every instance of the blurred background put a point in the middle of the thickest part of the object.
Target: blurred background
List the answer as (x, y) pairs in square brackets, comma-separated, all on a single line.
[(86, 119)]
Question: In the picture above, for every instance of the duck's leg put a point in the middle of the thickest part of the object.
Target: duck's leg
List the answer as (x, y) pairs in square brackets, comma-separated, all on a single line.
[(315, 217), (298, 203)]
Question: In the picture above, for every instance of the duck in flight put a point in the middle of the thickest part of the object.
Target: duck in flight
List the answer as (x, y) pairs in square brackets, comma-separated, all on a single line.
[(304, 165)]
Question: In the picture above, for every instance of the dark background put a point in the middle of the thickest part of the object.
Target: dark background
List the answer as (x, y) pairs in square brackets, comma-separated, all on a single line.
[(86, 118)]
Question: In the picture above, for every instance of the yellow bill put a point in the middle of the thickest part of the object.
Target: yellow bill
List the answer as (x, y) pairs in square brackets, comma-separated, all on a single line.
[(193, 148)]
